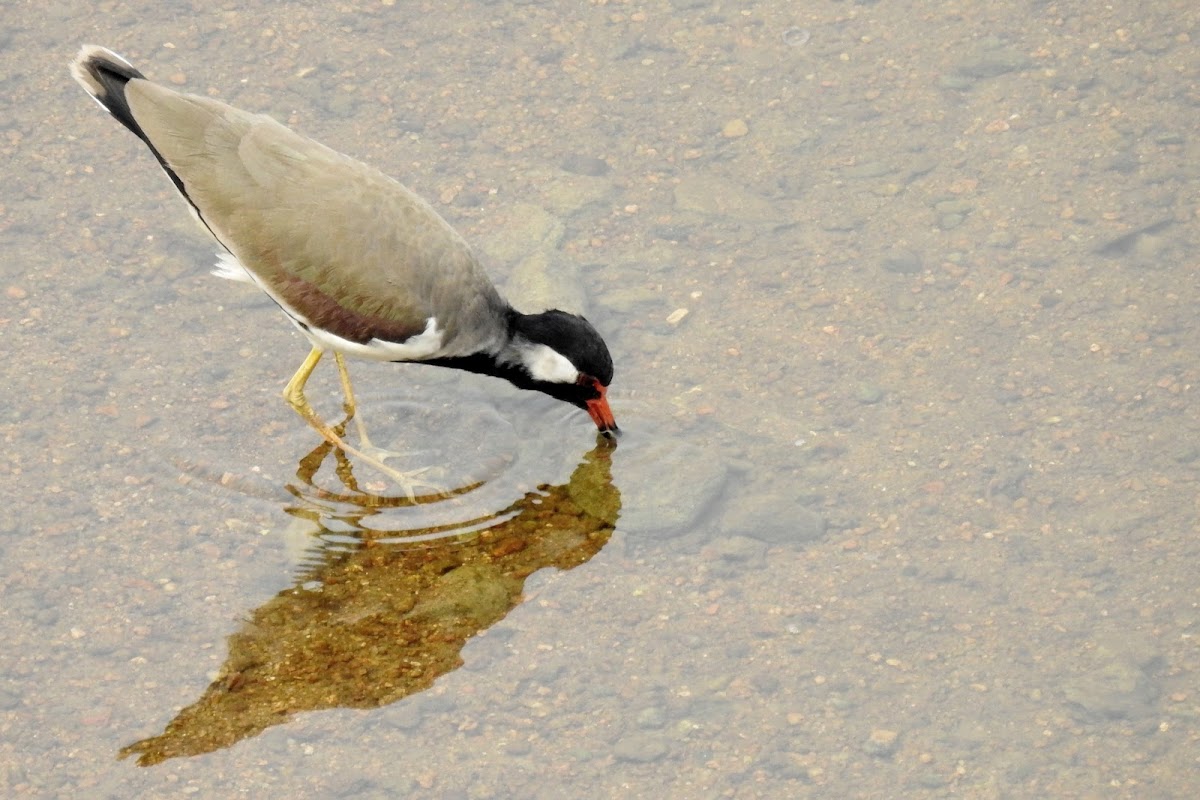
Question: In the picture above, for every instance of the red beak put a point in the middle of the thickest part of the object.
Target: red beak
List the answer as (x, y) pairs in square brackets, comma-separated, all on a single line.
[(600, 413)]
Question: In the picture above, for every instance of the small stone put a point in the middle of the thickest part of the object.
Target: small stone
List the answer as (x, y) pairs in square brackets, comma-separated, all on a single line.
[(868, 394), (1001, 239), (676, 486), (735, 129), (519, 747), (902, 262), (953, 80), (642, 748), (869, 169), (714, 195), (676, 316), (406, 717), (766, 683), (796, 37), (651, 718), (1117, 690), (585, 165), (881, 743), (772, 516), (738, 549)]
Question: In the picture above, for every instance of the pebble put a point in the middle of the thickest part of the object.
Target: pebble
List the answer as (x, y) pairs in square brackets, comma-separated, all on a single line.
[(518, 747), (955, 206), (735, 129), (642, 748), (1001, 239), (585, 165), (1117, 690), (770, 514), (1127, 242), (868, 394), (903, 262), (767, 683), (1123, 683), (949, 222), (523, 228), (676, 316), (542, 281), (628, 299), (652, 718), (796, 37), (666, 485), (572, 192), (868, 169), (734, 554), (881, 743), (992, 63), (712, 194)]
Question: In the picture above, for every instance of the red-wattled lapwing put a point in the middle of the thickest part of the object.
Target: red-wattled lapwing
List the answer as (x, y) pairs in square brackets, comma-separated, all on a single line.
[(359, 263)]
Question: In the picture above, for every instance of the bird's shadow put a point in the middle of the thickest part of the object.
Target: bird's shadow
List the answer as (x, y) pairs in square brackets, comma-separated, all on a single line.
[(373, 617)]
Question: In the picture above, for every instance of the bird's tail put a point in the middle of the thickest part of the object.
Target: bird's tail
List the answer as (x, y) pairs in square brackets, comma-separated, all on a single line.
[(103, 74)]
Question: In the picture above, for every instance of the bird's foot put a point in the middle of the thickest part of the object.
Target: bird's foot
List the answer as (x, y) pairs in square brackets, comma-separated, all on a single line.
[(409, 480), (373, 456)]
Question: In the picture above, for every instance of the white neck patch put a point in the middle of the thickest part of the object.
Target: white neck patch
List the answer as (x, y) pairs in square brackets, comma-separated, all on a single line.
[(545, 363)]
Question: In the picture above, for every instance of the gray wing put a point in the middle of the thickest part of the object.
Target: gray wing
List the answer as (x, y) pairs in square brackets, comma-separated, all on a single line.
[(353, 250)]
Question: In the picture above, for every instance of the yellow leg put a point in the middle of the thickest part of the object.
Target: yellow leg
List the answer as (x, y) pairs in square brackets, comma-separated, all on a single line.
[(349, 404), (294, 394), (348, 391)]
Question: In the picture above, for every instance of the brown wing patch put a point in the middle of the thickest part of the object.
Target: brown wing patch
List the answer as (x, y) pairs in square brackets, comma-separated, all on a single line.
[(322, 311)]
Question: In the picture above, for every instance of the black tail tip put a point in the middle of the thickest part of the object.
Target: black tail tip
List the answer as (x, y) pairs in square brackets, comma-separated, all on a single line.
[(97, 69)]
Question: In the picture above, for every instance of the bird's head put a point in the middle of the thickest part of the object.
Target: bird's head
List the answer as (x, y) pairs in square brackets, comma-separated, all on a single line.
[(566, 358)]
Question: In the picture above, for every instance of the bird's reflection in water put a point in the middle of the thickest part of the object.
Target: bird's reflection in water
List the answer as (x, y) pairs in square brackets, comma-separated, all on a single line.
[(368, 623)]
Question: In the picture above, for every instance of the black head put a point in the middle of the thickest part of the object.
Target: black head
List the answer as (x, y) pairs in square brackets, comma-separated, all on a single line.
[(545, 340), (556, 353), (572, 337)]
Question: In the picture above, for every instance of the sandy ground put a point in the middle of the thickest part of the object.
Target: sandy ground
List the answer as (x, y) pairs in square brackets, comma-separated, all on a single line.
[(902, 301)]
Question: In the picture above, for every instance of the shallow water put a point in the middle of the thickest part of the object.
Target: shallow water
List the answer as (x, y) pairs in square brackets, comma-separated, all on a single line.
[(903, 319)]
